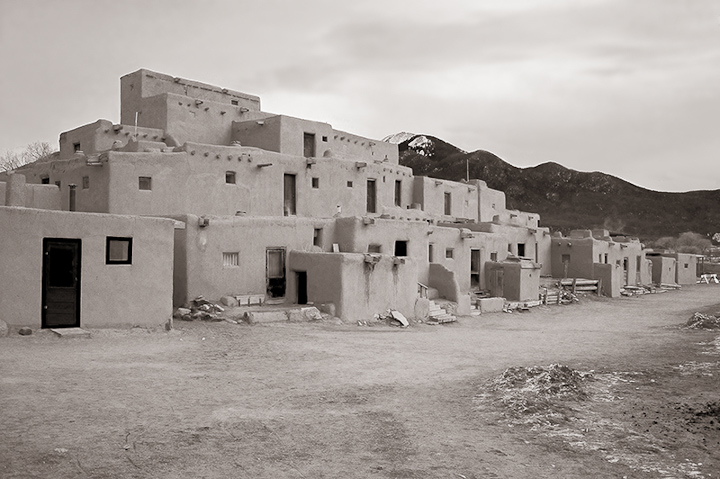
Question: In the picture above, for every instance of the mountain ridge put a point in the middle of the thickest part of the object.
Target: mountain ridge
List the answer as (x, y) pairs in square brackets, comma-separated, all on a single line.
[(569, 199)]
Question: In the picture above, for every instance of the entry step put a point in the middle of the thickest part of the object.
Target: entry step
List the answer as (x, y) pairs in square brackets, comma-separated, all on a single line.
[(71, 332)]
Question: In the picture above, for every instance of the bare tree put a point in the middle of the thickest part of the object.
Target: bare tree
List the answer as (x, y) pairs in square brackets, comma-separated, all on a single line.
[(33, 152)]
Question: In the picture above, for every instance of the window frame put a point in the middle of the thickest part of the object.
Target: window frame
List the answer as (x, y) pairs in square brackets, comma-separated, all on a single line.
[(126, 239)]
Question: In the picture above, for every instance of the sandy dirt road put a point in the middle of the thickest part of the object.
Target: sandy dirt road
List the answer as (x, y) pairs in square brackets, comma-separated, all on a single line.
[(328, 400)]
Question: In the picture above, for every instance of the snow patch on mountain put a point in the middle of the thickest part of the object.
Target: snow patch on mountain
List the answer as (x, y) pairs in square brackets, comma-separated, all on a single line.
[(398, 138), (422, 145)]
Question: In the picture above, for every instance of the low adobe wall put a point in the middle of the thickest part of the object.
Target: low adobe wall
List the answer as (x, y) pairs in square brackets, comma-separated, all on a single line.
[(110, 294)]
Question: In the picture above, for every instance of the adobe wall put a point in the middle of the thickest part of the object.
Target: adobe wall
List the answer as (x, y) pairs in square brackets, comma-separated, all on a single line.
[(663, 269), (102, 135), (203, 272), (430, 194), (686, 271), (490, 202), (140, 85), (611, 276), (111, 295), (581, 252), (193, 181), (17, 192)]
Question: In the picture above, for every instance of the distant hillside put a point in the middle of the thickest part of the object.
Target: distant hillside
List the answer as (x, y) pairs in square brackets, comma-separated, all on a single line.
[(567, 199)]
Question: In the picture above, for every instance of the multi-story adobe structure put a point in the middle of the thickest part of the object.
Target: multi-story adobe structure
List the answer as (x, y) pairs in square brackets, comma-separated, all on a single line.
[(260, 204)]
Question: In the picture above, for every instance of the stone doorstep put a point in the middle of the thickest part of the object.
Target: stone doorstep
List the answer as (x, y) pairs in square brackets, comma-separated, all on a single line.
[(71, 332)]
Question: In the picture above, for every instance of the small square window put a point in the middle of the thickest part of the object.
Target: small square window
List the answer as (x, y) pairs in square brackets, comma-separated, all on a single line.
[(45, 180), (493, 257), (85, 182), (686, 265), (230, 177), (324, 138), (118, 250), (349, 184), (449, 252), (76, 146), (234, 102), (231, 260), (401, 248), (145, 183), (316, 182)]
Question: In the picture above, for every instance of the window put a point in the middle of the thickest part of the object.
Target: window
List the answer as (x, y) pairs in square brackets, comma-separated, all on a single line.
[(401, 248), (76, 146), (374, 248), (317, 237), (234, 102), (606, 258), (398, 193), (639, 263), (85, 182), (493, 257), (431, 253), (45, 180), (324, 138), (118, 250), (371, 198), (316, 182), (309, 145), (449, 253), (231, 260), (521, 249), (686, 265), (230, 177), (448, 204), (145, 183), (349, 184)]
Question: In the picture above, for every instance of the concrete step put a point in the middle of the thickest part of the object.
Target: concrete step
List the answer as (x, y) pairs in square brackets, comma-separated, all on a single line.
[(71, 332)]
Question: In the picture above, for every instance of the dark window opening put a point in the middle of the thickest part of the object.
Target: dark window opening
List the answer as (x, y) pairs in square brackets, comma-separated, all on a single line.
[(606, 258), (316, 182), (448, 204), (230, 177), (309, 145), (349, 184), (145, 183), (398, 193), (289, 198), (493, 257), (324, 138), (76, 146), (234, 102), (431, 253), (118, 250), (45, 180), (371, 197), (317, 237), (449, 253), (521, 249), (401, 248)]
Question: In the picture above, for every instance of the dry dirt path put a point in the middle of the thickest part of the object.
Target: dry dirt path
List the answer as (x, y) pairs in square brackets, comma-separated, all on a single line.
[(340, 401)]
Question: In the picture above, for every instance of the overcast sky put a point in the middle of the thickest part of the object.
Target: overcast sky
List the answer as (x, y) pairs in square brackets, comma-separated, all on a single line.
[(627, 87)]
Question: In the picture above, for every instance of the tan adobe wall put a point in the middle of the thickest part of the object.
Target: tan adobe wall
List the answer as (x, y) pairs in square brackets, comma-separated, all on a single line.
[(142, 84), (194, 181), (102, 136), (17, 192), (347, 145), (686, 268), (490, 202), (430, 194), (111, 295), (202, 271)]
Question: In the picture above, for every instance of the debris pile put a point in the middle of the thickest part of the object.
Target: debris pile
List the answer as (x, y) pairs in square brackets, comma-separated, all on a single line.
[(530, 390), (389, 317), (200, 309), (703, 321)]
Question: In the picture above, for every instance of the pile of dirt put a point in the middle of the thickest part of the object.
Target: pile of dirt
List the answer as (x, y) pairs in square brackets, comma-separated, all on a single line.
[(702, 321), (531, 390)]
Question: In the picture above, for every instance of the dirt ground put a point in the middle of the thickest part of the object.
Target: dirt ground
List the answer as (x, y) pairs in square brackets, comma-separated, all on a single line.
[(329, 400)]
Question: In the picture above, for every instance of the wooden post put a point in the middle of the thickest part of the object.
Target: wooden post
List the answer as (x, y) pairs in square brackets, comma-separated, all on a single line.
[(599, 287), (574, 283)]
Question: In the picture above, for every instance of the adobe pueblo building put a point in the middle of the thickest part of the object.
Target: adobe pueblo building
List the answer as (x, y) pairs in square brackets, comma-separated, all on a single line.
[(197, 191)]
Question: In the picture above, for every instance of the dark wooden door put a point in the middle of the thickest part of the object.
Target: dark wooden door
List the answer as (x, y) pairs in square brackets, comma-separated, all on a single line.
[(302, 287), (474, 268), (371, 196), (275, 269), (61, 283)]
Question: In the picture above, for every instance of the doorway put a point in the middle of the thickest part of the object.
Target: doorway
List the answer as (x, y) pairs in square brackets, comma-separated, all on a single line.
[(289, 198), (275, 272), (301, 287), (61, 283), (475, 268)]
